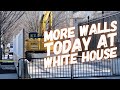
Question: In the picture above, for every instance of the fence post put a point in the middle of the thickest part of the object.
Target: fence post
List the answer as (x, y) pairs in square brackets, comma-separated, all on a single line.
[(23, 69), (26, 74), (18, 69), (71, 71)]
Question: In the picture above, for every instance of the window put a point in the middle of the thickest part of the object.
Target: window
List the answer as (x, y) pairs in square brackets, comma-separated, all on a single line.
[(32, 35), (11, 46)]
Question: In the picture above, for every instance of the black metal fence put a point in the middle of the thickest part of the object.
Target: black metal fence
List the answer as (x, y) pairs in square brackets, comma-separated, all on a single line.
[(96, 68), (35, 69)]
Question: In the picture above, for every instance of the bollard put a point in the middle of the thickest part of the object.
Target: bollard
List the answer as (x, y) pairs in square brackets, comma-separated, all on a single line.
[(23, 69), (26, 74), (72, 71)]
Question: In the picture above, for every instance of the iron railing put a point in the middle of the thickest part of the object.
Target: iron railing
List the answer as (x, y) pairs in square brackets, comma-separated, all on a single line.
[(35, 69)]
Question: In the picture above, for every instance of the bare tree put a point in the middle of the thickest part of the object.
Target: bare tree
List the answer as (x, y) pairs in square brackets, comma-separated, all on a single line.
[(31, 21), (11, 22), (62, 19), (7, 21), (9, 18)]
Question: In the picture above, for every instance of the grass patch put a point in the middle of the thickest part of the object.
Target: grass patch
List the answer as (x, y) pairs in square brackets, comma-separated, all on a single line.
[(7, 60)]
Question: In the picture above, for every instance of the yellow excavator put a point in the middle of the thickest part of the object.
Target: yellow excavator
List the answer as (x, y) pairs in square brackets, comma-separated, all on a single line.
[(35, 43)]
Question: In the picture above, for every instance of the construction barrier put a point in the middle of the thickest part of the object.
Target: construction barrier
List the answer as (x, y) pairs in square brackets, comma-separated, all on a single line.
[(18, 47)]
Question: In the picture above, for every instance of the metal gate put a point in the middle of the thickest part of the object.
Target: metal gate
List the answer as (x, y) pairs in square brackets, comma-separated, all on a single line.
[(98, 68), (35, 69)]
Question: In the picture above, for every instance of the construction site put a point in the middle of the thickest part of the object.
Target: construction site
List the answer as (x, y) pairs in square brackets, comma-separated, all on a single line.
[(60, 45)]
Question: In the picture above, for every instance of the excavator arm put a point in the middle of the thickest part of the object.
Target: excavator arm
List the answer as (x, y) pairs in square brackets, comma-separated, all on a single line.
[(45, 19)]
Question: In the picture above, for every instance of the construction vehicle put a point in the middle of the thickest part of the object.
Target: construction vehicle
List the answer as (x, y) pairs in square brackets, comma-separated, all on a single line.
[(35, 43)]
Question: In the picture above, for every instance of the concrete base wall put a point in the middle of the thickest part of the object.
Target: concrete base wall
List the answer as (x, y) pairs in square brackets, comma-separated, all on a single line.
[(15, 58)]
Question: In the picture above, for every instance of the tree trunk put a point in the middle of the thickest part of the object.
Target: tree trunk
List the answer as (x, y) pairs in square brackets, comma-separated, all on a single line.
[(4, 50)]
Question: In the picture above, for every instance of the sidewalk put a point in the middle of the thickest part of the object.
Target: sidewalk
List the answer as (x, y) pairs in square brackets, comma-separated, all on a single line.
[(8, 76), (115, 77), (8, 70)]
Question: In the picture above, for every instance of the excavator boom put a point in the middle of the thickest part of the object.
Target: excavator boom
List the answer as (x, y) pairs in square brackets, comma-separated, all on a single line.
[(35, 43), (46, 19)]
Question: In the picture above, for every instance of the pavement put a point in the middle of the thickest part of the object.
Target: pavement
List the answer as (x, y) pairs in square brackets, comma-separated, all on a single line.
[(8, 76), (90, 78), (110, 77), (8, 70)]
